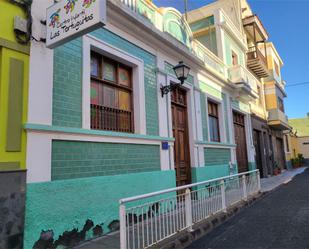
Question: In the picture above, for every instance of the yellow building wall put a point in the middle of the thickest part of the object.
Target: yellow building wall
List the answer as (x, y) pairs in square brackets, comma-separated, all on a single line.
[(7, 13), (303, 148), (11, 50)]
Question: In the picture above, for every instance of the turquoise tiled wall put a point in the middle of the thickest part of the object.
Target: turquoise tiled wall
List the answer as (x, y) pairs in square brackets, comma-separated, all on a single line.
[(67, 91), (72, 159), (67, 87), (149, 59), (65, 205), (217, 156)]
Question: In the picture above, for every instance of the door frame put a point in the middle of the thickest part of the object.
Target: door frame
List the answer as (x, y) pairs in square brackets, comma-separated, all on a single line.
[(248, 133), (192, 132)]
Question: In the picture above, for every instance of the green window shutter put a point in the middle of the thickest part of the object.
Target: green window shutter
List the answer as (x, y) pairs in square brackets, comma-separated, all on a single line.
[(15, 106)]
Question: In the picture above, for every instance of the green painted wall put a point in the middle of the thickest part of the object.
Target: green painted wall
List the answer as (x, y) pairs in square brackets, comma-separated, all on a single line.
[(210, 90), (209, 40), (175, 26), (251, 166), (66, 204), (202, 23), (217, 156), (72, 159), (67, 86), (230, 45), (209, 172)]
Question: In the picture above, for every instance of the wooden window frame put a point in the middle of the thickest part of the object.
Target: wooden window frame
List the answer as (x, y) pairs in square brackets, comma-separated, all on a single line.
[(118, 87), (211, 104)]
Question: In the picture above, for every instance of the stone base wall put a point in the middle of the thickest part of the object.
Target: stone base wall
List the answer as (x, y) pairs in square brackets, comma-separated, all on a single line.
[(12, 208)]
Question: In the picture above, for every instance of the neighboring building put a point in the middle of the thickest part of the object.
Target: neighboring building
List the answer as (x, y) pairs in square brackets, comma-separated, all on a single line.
[(274, 95), (99, 128), (268, 118), (257, 64), (298, 141), (14, 61)]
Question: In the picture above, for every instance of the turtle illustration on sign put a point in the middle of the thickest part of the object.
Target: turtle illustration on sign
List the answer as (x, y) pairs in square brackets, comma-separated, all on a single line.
[(69, 7), (87, 3), (55, 18)]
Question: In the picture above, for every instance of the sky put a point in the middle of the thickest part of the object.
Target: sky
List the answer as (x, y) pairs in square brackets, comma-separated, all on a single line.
[(287, 22)]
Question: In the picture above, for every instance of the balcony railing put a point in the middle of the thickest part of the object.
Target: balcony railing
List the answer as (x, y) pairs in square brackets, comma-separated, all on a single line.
[(277, 115), (148, 219), (255, 53), (240, 74), (111, 119), (209, 58)]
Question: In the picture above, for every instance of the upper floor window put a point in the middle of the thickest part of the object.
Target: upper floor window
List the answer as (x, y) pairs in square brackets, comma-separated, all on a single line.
[(276, 68), (213, 117), (260, 100), (280, 104), (287, 143), (111, 95), (234, 58)]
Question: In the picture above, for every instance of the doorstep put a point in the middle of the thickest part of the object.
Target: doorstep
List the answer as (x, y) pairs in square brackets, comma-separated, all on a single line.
[(270, 183)]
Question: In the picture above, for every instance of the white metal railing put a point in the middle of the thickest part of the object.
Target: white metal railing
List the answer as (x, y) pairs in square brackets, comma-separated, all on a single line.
[(148, 219)]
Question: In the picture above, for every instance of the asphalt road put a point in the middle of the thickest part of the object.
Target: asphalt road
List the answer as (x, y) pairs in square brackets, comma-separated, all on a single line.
[(279, 220)]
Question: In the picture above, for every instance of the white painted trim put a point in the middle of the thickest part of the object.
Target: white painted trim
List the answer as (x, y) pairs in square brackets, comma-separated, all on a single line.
[(92, 43), (39, 151)]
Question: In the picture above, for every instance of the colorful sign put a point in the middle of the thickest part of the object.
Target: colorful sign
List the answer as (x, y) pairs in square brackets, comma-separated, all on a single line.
[(69, 19)]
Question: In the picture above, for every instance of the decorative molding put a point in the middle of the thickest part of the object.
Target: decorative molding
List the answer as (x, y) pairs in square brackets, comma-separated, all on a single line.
[(59, 129), (215, 144), (14, 46)]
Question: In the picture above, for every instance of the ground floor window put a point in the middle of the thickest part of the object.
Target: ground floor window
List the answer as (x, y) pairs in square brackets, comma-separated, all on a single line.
[(111, 95), (213, 117)]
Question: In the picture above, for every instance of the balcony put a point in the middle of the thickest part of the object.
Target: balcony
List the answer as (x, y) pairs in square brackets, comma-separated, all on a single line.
[(278, 120), (257, 62), (245, 81), (257, 36), (209, 58)]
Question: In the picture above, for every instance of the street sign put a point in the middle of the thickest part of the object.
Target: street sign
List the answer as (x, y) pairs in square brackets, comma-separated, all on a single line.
[(69, 19)]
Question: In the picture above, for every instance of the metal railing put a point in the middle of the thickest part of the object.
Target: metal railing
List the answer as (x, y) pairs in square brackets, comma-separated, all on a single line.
[(146, 220), (255, 53)]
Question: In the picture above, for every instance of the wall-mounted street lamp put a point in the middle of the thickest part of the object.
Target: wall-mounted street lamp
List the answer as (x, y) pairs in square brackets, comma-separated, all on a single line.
[(182, 71)]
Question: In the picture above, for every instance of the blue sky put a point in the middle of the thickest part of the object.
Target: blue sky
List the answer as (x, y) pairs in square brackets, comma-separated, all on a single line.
[(287, 22)]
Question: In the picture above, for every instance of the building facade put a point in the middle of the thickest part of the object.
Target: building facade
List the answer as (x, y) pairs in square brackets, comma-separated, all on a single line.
[(100, 129), (14, 61), (297, 141)]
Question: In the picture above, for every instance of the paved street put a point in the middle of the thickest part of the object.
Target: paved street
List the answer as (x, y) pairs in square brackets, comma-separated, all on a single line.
[(278, 220)]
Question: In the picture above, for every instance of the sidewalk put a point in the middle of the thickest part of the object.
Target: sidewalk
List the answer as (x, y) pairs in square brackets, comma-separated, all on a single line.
[(278, 220), (268, 184), (111, 241)]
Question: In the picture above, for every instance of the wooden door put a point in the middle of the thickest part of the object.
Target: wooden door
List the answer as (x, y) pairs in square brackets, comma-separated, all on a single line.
[(257, 146), (180, 132), (240, 140), (280, 153)]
